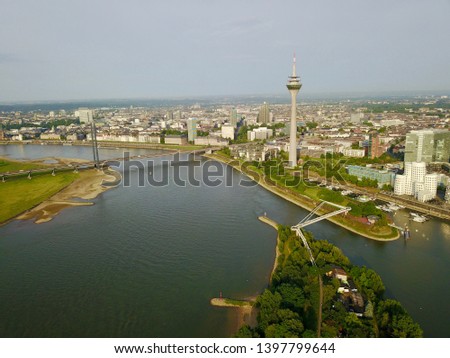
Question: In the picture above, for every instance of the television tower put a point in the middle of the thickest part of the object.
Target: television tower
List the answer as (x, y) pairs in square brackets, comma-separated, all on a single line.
[(293, 86)]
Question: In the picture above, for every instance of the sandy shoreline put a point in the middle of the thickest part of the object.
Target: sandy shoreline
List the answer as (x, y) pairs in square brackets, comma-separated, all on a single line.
[(274, 224), (88, 186), (276, 191), (242, 314)]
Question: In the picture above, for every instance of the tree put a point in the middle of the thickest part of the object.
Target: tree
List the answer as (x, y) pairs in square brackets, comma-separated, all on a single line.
[(246, 332), (395, 322), (269, 304), (293, 296)]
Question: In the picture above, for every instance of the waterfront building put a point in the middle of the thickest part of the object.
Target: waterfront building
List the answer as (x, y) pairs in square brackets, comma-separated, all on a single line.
[(416, 182), (148, 138), (176, 139), (210, 140), (293, 86), (227, 131), (400, 184), (427, 146), (408, 173), (381, 176), (85, 115), (192, 129)]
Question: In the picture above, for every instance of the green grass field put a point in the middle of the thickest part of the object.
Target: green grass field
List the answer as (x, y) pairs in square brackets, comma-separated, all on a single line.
[(20, 194), (15, 166)]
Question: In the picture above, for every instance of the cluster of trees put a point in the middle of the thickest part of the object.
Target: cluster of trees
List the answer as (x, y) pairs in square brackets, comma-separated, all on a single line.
[(364, 209), (289, 307), (165, 132), (48, 124)]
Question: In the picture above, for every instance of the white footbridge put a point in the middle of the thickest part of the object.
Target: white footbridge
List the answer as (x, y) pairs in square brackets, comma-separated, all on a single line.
[(307, 220)]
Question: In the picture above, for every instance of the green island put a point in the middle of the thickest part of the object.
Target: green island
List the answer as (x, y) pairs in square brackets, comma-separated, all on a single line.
[(330, 299), (275, 178)]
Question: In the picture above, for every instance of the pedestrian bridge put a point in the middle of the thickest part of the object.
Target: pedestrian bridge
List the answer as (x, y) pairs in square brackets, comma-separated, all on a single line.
[(307, 220)]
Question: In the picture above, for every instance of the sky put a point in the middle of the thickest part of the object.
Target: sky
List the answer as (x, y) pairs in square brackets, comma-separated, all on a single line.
[(98, 49)]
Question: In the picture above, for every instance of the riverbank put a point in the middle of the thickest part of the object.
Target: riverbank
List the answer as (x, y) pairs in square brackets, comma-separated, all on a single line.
[(245, 312), (87, 187), (274, 224), (296, 200)]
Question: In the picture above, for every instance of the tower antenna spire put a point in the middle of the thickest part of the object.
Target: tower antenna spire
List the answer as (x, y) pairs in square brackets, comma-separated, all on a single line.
[(293, 67)]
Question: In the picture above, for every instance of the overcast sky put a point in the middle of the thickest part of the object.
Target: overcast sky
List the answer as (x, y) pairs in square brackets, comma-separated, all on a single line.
[(94, 49)]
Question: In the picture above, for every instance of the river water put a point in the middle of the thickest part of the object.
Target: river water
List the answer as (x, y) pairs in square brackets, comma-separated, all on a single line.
[(145, 261)]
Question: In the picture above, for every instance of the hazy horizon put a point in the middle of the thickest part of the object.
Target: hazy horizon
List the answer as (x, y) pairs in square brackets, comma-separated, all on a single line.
[(102, 50)]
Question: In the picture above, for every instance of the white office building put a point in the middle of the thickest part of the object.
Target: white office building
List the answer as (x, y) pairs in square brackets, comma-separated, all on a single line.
[(415, 181), (400, 185)]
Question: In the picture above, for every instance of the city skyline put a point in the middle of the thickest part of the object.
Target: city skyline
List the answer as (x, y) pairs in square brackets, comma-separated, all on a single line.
[(100, 50)]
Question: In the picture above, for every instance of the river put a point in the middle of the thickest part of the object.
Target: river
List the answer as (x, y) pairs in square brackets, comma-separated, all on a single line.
[(145, 261)]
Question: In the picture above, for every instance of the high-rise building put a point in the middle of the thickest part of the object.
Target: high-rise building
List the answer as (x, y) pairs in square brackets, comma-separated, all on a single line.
[(85, 115), (427, 146), (192, 129), (233, 117), (376, 149), (293, 86), (264, 114)]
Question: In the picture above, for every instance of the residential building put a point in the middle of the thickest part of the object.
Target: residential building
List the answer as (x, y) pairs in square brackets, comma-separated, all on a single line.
[(176, 139), (210, 140)]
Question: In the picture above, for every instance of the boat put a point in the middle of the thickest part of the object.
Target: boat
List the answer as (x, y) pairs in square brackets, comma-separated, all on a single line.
[(393, 207), (418, 218), (363, 198)]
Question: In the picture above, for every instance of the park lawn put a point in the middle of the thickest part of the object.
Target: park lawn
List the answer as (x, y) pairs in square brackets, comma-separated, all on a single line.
[(21, 194), (15, 166)]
